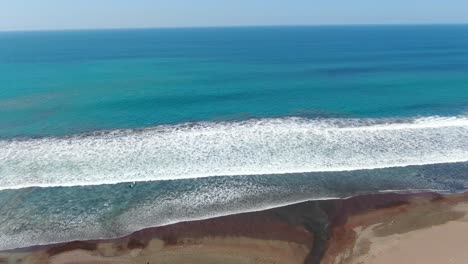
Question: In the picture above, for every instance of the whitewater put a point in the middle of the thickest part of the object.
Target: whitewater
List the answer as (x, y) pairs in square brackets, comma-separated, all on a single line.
[(252, 147)]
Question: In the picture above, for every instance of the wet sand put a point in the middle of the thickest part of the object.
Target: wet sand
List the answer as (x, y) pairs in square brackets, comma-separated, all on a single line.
[(379, 228)]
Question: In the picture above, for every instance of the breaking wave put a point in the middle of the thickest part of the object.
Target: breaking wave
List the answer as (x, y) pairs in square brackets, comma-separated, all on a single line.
[(253, 147)]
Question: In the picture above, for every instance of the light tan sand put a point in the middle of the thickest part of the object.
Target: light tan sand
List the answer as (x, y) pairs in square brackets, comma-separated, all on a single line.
[(424, 231), (442, 244), (226, 250), (439, 243)]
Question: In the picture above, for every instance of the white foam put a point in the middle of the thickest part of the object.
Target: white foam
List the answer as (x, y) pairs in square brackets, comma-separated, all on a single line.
[(254, 147)]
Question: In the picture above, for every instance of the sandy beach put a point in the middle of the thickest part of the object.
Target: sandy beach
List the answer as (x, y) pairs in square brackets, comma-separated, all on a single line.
[(379, 228), (424, 230)]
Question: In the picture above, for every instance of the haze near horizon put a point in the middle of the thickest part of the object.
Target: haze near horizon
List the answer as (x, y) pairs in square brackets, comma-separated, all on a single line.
[(87, 14)]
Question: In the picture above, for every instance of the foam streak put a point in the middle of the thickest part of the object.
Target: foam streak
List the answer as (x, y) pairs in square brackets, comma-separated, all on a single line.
[(265, 146)]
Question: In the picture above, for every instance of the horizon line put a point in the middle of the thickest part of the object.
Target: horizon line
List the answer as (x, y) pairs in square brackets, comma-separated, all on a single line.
[(234, 26)]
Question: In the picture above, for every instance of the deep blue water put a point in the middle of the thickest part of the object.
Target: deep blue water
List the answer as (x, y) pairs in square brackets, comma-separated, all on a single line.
[(212, 121)]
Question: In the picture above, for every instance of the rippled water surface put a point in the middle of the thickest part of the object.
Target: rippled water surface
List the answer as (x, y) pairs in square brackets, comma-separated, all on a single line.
[(214, 121)]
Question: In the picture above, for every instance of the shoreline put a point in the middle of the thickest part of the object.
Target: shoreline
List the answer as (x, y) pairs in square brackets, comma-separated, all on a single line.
[(317, 231), (410, 192)]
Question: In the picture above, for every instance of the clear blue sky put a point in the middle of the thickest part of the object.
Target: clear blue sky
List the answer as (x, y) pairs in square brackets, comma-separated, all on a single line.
[(74, 14)]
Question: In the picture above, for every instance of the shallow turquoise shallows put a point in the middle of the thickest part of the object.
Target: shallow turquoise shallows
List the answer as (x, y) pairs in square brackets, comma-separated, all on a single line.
[(57, 83)]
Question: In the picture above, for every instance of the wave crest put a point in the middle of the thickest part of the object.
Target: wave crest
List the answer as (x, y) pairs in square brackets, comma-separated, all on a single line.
[(254, 147)]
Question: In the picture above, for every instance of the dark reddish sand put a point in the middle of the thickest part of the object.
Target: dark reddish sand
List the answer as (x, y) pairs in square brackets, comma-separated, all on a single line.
[(354, 230)]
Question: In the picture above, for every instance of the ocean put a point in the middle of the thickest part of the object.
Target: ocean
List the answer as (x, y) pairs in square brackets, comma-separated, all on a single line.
[(105, 132)]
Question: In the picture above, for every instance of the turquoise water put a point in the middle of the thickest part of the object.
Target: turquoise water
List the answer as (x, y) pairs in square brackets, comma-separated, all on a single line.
[(213, 121), (57, 83)]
